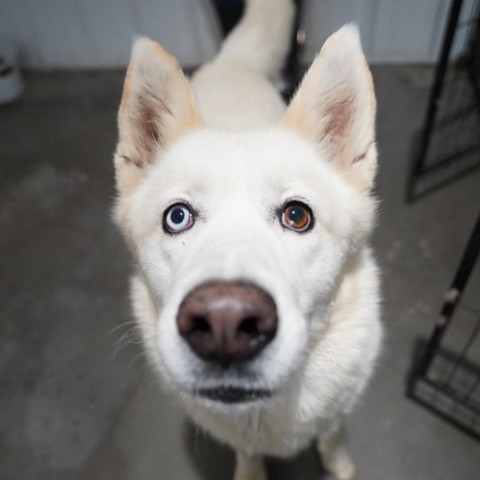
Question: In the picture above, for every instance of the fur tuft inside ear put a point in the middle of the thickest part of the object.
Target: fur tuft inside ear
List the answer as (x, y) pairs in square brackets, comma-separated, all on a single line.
[(157, 106), (335, 106)]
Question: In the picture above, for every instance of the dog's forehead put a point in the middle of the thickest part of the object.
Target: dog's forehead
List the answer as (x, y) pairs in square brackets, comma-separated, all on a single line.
[(272, 159)]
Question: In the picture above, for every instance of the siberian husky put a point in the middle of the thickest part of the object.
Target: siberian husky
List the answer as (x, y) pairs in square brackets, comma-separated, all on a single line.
[(255, 287)]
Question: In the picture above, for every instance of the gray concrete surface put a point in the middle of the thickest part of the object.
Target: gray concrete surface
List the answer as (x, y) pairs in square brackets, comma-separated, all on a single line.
[(76, 398)]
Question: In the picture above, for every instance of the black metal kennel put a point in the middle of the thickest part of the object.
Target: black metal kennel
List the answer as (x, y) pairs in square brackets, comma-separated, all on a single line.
[(446, 375), (446, 372), (448, 145)]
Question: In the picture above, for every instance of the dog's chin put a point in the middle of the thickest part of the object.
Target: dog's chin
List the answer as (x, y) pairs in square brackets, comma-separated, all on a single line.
[(233, 396)]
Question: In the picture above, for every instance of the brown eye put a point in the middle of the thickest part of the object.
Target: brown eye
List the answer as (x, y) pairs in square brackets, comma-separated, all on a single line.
[(296, 216)]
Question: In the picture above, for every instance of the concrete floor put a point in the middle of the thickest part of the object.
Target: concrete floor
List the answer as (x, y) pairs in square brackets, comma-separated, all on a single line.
[(76, 398)]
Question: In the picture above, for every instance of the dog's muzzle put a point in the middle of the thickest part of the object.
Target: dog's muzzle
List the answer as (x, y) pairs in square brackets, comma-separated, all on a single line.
[(227, 323)]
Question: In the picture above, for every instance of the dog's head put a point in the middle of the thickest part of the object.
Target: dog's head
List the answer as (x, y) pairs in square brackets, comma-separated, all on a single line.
[(242, 238)]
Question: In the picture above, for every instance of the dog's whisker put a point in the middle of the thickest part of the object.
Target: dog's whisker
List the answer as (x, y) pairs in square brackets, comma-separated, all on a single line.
[(137, 357), (125, 340), (128, 323)]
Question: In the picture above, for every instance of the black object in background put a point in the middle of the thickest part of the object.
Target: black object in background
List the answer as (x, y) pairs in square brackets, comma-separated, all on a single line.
[(448, 146)]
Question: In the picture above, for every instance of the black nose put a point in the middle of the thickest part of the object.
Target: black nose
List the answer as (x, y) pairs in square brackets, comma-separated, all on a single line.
[(227, 322)]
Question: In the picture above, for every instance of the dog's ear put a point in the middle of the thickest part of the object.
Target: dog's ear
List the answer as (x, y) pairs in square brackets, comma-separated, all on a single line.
[(157, 106), (334, 107)]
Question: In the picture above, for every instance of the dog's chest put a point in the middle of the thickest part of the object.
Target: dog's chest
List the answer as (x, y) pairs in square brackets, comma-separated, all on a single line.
[(277, 432)]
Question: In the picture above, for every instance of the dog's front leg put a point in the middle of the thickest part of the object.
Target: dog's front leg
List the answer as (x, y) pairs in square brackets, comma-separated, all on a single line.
[(249, 467), (335, 457)]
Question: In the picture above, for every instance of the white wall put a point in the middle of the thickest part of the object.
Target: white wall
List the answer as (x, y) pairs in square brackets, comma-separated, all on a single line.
[(393, 31), (98, 33)]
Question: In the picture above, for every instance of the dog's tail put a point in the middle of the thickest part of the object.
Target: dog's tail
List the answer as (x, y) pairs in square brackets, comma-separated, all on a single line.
[(261, 40)]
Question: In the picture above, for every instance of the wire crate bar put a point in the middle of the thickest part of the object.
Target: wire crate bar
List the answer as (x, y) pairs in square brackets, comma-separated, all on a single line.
[(448, 145), (444, 379)]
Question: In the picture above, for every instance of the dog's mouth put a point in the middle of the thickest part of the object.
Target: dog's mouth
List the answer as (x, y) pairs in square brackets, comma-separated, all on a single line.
[(232, 395)]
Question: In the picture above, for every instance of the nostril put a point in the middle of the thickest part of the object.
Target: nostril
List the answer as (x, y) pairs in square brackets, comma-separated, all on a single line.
[(200, 324), (193, 324), (249, 325)]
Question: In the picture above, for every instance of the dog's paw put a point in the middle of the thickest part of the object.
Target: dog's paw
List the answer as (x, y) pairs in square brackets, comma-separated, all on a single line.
[(249, 468), (336, 458), (343, 469), (259, 474)]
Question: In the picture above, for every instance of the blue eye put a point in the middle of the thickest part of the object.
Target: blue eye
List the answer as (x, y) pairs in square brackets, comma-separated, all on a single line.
[(177, 218)]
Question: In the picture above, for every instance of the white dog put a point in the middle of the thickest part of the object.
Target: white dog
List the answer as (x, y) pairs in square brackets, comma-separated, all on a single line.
[(255, 291)]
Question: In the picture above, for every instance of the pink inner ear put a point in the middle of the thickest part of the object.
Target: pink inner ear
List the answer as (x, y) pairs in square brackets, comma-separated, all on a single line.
[(338, 114), (150, 133), (153, 112), (340, 119)]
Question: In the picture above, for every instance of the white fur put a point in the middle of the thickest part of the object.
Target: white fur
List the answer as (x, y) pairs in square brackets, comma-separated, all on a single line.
[(237, 160), (253, 51)]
